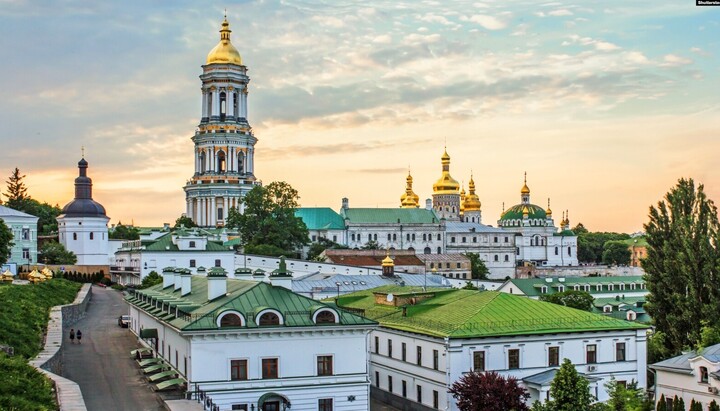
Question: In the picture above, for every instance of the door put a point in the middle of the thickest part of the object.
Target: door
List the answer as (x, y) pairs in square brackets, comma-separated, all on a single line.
[(271, 406)]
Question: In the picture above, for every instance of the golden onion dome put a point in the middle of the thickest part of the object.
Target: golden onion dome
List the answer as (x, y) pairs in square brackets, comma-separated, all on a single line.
[(387, 261), (548, 211), (472, 201), (446, 184), (409, 199), (224, 52), (525, 189)]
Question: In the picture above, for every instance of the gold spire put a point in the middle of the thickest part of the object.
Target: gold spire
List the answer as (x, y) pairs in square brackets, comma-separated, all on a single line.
[(446, 184), (548, 211), (224, 52), (387, 261), (525, 189), (409, 199), (462, 198), (472, 201)]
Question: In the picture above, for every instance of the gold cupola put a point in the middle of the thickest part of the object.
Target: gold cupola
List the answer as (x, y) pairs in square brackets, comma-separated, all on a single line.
[(224, 52), (409, 199), (462, 198), (472, 201), (525, 189), (548, 211), (446, 184)]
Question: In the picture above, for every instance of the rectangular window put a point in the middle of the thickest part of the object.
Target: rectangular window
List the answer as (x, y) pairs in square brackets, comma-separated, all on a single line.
[(403, 352), (377, 379), (389, 347), (404, 389), (191, 244), (334, 239), (436, 360), (495, 240), (192, 263), (269, 368), (436, 399), (419, 355), (389, 383), (218, 263), (220, 215), (239, 407), (314, 238), (553, 356), (458, 265), (591, 354), (25, 233), (479, 361), (26, 253), (506, 239), (513, 359), (452, 239), (325, 404), (324, 365), (238, 370), (620, 351), (377, 345), (419, 394)]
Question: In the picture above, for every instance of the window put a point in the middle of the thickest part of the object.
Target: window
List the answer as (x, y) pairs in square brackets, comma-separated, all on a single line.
[(389, 347), (436, 399), (324, 365), (325, 317), (543, 290), (553, 356), (506, 239), (507, 258), (394, 237), (192, 263), (92, 236), (407, 236), (413, 237), (26, 234), (269, 368), (239, 407), (439, 237), (377, 345), (439, 250), (325, 404), (390, 383), (556, 251), (404, 389), (495, 239), (352, 236), (192, 244), (436, 360), (230, 320), (496, 257), (419, 394), (703, 375), (74, 236), (569, 251), (335, 239), (591, 354), (217, 263), (269, 318), (389, 237), (238, 370), (314, 238), (419, 355), (377, 379), (26, 253), (447, 265), (403, 352), (620, 351), (452, 239), (464, 239), (458, 265), (479, 361), (513, 359)]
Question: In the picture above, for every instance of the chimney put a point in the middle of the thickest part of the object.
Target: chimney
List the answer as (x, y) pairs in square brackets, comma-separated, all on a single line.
[(243, 273), (176, 278), (168, 277), (217, 283), (345, 203), (186, 280), (428, 204), (201, 271), (281, 277), (259, 275)]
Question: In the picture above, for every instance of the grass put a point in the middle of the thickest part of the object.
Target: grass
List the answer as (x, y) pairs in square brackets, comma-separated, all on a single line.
[(24, 316)]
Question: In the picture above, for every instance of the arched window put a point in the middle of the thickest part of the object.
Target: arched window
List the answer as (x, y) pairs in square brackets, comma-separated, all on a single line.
[(223, 106), (74, 236), (496, 257), (507, 258), (439, 250), (202, 162), (92, 237), (413, 237), (241, 162), (556, 251), (269, 318), (231, 320), (439, 237), (569, 251), (394, 237), (703, 374), (235, 105), (427, 250), (221, 166), (411, 249), (325, 317), (424, 237)]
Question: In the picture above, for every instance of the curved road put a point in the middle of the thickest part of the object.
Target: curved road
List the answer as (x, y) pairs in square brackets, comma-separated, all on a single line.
[(108, 377)]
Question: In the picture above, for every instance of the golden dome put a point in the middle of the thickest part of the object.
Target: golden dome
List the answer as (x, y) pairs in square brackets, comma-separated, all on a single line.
[(548, 211), (224, 52), (446, 184), (472, 201), (409, 199), (525, 189), (387, 261), (525, 211), (462, 199)]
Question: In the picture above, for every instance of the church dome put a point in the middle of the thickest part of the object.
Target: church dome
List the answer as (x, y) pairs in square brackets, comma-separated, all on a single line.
[(446, 184), (472, 201), (83, 205), (224, 52), (516, 212), (409, 199)]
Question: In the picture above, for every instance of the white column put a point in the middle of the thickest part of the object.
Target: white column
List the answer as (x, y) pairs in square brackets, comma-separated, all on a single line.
[(198, 213), (208, 159), (216, 103), (230, 99), (204, 104), (250, 160), (230, 156), (243, 107), (213, 211), (226, 207)]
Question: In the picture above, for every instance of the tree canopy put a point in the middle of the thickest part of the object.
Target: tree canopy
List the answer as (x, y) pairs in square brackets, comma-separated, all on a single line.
[(20, 200), (124, 232), (6, 242), (53, 252), (184, 221), (569, 390), (591, 244), (615, 252), (580, 300), (682, 266), (489, 391), (478, 269), (153, 278), (269, 219), (16, 190)]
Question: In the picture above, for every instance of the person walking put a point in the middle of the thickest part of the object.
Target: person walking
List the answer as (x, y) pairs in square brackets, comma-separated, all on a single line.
[(72, 336), (79, 335)]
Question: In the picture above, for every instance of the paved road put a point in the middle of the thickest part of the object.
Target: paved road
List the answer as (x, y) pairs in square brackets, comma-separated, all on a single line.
[(109, 379)]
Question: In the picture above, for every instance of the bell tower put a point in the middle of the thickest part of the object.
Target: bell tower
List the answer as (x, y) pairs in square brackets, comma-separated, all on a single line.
[(224, 141)]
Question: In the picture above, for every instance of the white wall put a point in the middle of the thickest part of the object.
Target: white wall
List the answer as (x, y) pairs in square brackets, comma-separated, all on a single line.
[(75, 232)]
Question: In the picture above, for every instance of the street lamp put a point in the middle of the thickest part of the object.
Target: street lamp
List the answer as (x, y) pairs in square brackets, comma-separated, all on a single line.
[(338, 283)]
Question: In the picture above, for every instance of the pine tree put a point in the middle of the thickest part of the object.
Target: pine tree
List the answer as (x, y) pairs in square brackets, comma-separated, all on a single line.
[(714, 406), (662, 404), (695, 406), (682, 270), (16, 191), (569, 390), (678, 404)]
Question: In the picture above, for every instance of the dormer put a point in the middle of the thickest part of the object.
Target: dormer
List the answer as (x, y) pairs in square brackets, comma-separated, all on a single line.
[(189, 241)]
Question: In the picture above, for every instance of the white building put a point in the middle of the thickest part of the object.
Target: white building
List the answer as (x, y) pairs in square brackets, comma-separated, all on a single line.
[(428, 340), (24, 230), (224, 141), (253, 346), (191, 248), (495, 246), (82, 225), (694, 375), (598, 287)]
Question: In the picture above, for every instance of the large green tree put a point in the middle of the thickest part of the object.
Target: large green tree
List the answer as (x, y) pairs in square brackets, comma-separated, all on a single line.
[(16, 190), (615, 253), (682, 265), (269, 218), (591, 244), (580, 300), (124, 232), (20, 200), (489, 391), (153, 278), (53, 252), (569, 390), (478, 269), (6, 242), (184, 221)]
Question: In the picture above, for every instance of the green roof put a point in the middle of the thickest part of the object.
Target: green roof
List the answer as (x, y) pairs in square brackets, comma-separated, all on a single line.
[(390, 215), (243, 296), (164, 243), (532, 286), (320, 218), (516, 212), (470, 314), (565, 233)]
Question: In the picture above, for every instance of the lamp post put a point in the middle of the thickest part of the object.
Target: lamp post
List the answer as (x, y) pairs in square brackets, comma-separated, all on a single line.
[(338, 286)]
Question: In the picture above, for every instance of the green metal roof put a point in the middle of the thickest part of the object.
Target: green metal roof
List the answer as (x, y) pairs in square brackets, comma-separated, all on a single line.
[(532, 286), (565, 233), (469, 314), (164, 243), (242, 296), (389, 216), (516, 212), (320, 218)]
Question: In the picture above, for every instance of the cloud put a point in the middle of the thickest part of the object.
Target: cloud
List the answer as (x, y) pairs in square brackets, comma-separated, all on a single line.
[(560, 13), (487, 22), (673, 60)]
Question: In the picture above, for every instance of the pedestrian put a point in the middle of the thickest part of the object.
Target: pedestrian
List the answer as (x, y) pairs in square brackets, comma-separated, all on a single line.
[(79, 335), (72, 336)]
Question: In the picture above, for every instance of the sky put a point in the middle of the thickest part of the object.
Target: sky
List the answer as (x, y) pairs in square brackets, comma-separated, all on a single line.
[(605, 105)]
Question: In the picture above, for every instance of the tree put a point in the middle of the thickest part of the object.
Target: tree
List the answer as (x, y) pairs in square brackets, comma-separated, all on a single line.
[(269, 218), (371, 245), (590, 244), (682, 265), (478, 269), (184, 221), (662, 404), (489, 391), (714, 406), (47, 215), (624, 398), (678, 404), (695, 406), (153, 278), (580, 300), (321, 245), (53, 252), (124, 232), (16, 190), (6, 242), (615, 253), (569, 390)]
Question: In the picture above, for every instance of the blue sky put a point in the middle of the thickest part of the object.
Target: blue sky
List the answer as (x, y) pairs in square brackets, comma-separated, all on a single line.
[(604, 104)]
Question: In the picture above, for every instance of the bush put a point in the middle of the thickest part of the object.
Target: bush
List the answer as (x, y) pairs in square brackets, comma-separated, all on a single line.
[(23, 387), (118, 287)]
